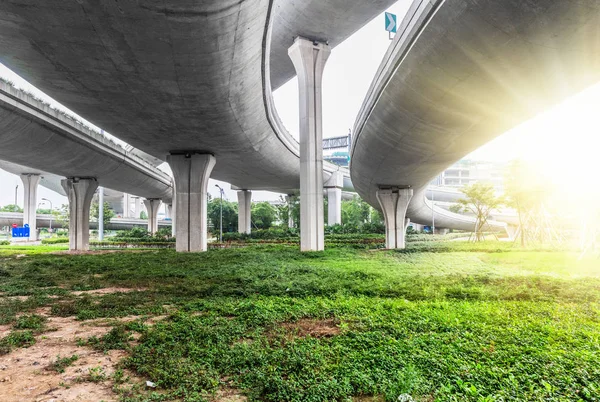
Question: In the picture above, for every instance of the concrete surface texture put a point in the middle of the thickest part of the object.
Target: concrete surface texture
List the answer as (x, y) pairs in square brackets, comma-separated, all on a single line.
[(178, 76), (393, 203), (244, 211), (30, 184), (152, 206), (80, 192), (309, 59), (44, 140), (458, 74), (191, 172)]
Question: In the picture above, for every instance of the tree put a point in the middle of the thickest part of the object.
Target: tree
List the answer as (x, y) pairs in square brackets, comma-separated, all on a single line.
[(11, 208), (526, 191), (263, 215), (143, 215), (230, 214), (480, 200), (355, 212), (43, 211), (108, 212)]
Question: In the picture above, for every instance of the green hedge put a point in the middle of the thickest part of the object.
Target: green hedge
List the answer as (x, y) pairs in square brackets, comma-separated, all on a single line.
[(4, 243), (55, 240)]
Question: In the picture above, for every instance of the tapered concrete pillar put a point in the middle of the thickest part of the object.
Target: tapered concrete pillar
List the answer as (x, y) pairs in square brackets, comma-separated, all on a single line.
[(174, 213), (168, 211), (80, 192), (244, 211), (191, 172), (309, 61), (333, 186), (152, 206), (393, 203), (30, 186)]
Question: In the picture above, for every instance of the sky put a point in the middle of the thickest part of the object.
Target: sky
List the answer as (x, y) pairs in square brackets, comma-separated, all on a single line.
[(562, 139)]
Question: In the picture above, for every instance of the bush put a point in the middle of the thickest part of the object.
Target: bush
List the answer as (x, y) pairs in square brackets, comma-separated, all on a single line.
[(4, 243), (55, 240)]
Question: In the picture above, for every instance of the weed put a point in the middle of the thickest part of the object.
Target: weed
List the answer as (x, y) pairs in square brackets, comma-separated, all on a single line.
[(61, 363)]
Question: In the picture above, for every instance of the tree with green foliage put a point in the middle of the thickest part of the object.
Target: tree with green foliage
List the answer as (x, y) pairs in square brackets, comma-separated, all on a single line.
[(143, 215), (43, 211), (11, 208), (355, 212), (263, 215), (526, 191), (480, 200), (230, 214), (108, 212)]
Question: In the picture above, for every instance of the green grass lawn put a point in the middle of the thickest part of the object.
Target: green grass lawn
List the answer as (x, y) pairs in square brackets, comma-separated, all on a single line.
[(440, 321)]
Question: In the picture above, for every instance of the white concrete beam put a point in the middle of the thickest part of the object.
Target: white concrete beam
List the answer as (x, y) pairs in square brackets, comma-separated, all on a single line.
[(393, 203), (309, 60), (244, 211), (191, 172), (30, 186), (80, 192)]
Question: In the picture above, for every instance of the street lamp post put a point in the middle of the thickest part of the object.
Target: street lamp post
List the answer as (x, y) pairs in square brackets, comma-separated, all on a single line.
[(45, 199), (16, 189), (221, 219)]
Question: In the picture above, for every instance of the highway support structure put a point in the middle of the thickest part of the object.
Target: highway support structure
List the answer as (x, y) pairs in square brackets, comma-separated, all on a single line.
[(244, 211), (152, 206), (309, 59), (191, 171), (80, 191), (30, 186), (394, 202), (333, 187)]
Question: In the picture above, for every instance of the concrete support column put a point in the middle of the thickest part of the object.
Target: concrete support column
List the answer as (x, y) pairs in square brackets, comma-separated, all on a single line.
[(393, 203), (101, 213), (244, 211), (126, 205), (168, 211), (289, 199), (80, 192), (173, 213), (138, 208), (152, 206), (333, 186), (309, 60), (191, 172), (30, 186)]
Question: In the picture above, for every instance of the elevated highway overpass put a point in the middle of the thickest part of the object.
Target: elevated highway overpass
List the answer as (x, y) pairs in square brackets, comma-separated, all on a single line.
[(189, 82), (458, 74)]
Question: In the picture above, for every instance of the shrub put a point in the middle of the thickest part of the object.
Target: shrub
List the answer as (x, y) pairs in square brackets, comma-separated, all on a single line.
[(4, 243), (55, 240)]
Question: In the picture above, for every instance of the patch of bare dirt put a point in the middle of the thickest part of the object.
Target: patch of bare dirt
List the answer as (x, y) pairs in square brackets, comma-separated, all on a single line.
[(229, 394), (25, 373), (106, 291), (312, 327)]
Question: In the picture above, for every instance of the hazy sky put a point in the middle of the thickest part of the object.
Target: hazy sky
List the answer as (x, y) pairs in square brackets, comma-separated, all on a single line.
[(347, 78)]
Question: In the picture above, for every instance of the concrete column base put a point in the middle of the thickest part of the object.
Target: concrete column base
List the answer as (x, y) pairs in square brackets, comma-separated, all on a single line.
[(152, 206), (309, 60), (191, 172), (393, 203), (80, 192), (30, 186), (334, 206), (289, 200), (244, 211)]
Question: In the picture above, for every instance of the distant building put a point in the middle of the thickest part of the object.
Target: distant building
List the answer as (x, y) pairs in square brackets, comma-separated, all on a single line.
[(466, 172), (337, 150)]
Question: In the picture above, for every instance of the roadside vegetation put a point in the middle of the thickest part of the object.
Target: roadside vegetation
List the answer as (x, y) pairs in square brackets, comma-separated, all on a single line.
[(439, 321)]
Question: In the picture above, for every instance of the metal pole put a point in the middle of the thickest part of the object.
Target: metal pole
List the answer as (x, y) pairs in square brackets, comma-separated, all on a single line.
[(16, 189), (51, 208), (101, 213), (221, 218), (432, 212)]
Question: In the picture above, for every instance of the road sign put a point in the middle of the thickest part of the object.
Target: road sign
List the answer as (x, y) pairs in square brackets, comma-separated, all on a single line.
[(14, 225), (391, 24), (20, 232)]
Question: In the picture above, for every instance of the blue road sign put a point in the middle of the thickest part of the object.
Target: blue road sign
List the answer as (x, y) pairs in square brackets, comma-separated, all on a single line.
[(391, 24), (21, 232)]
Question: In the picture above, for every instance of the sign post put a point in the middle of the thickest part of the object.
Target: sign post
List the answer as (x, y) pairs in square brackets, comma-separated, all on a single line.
[(391, 24)]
